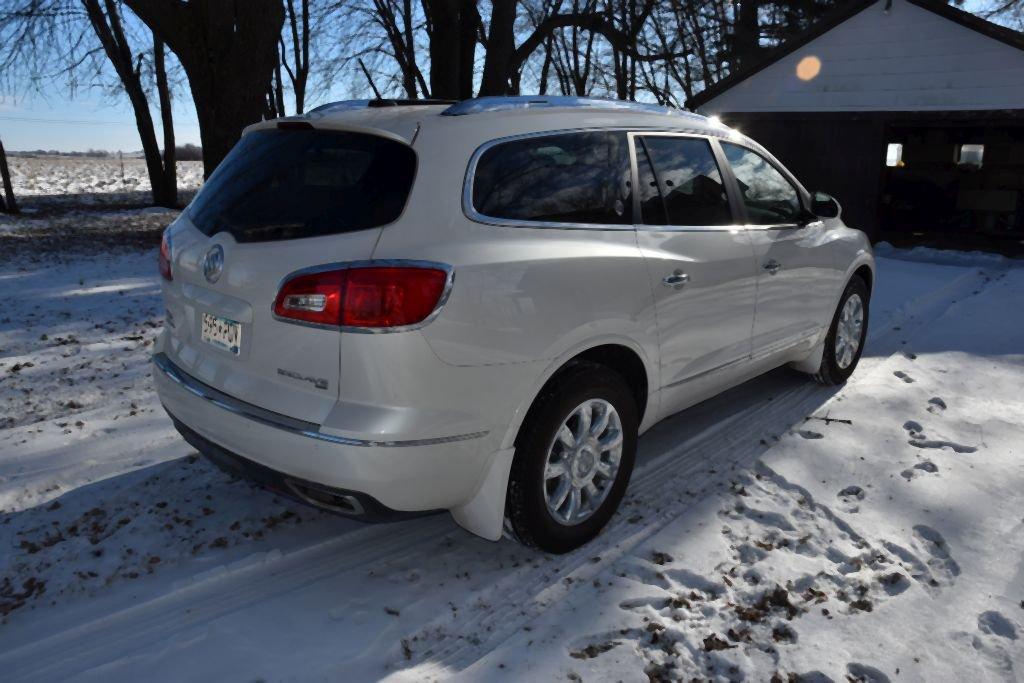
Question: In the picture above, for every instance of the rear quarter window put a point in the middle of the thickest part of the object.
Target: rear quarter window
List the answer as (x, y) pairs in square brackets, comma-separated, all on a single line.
[(278, 185), (559, 178)]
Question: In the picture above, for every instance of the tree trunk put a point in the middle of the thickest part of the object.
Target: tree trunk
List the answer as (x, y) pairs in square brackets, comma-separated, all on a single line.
[(169, 189), (106, 23), (228, 51), (545, 67), (469, 21), (11, 204), (746, 40), (452, 34), (501, 44), (444, 49), (300, 44)]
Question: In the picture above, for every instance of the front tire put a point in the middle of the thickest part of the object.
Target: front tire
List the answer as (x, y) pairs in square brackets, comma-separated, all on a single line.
[(845, 341), (574, 457)]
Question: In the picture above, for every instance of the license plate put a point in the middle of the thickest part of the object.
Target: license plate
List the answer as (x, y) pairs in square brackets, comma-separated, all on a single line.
[(223, 333)]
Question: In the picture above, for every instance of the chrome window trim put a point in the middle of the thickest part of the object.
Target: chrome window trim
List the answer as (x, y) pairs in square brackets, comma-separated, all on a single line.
[(816, 223), (467, 185), (732, 227), (278, 421), (371, 263)]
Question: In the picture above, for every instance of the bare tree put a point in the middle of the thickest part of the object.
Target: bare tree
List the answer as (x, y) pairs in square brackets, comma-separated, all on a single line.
[(298, 67), (1009, 13), (106, 23), (43, 42)]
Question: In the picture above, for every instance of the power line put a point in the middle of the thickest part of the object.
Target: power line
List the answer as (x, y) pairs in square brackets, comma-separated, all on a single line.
[(84, 122)]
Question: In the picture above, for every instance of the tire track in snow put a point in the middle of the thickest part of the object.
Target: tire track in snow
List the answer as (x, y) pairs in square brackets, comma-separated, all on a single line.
[(122, 633)]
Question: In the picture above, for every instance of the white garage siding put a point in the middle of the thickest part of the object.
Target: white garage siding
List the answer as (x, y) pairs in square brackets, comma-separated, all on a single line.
[(906, 59)]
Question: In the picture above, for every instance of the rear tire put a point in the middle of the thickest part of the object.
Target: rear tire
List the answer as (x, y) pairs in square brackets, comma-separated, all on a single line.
[(845, 341), (560, 495)]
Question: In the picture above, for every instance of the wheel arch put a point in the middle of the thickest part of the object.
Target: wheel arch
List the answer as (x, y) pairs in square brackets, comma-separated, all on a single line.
[(483, 513), (867, 274), (621, 355)]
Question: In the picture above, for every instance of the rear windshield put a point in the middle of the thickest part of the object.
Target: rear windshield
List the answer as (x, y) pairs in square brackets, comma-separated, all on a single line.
[(279, 185)]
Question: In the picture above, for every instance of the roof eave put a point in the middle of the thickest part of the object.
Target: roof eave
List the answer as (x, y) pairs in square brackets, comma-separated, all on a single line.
[(966, 19)]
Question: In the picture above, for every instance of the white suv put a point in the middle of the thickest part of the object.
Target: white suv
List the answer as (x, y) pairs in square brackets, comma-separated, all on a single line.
[(387, 308)]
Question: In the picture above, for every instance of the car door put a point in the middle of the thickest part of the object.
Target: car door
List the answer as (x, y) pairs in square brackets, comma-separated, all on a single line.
[(797, 278), (700, 262)]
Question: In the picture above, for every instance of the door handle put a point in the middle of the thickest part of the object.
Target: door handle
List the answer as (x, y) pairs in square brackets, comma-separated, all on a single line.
[(772, 266), (676, 280)]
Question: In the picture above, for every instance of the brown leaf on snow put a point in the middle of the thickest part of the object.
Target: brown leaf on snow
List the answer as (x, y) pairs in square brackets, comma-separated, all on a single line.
[(658, 557), (713, 642), (593, 650), (862, 605)]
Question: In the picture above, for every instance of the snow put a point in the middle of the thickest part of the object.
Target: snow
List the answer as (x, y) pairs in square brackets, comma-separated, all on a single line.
[(100, 180), (871, 532)]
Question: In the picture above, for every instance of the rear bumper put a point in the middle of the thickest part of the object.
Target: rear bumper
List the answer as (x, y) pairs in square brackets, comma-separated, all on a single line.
[(386, 475), (348, 503)]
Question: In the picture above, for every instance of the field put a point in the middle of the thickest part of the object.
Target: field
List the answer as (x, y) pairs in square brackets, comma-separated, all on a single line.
[(105, 180), (869, 532)]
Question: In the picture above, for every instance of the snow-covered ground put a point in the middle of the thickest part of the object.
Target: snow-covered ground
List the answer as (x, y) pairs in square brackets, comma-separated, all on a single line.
[(102, 180), (874, 532)]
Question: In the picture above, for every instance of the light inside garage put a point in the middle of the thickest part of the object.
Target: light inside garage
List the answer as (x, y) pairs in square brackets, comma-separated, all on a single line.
[(894, 154), (970, 155)]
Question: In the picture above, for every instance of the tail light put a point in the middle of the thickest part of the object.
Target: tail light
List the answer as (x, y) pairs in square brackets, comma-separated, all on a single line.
[(165, 257), (369, 297)]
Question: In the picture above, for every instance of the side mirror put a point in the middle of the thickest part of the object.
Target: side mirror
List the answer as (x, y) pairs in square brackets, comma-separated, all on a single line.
[(824, 205)]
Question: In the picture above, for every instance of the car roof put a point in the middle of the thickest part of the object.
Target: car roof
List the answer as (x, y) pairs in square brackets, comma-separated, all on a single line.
[(486, 118)]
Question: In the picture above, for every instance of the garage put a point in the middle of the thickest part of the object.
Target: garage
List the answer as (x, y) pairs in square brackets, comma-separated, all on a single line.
[(909, 112)]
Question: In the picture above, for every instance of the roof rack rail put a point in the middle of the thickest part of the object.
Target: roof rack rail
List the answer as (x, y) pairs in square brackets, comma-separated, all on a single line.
[(481, 105), (344, 105)]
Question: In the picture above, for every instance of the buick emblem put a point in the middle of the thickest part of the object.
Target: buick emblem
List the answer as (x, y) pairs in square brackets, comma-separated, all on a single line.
[(213, 263)]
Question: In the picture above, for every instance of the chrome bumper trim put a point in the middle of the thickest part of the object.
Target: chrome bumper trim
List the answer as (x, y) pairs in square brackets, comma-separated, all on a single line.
[(271, 419)]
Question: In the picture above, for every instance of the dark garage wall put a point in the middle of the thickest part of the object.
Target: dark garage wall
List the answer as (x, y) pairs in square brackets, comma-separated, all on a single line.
[(842, 154)]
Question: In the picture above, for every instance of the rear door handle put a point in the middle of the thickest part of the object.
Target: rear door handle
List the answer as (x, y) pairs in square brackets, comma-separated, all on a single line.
[(772, 266), (676, 279)]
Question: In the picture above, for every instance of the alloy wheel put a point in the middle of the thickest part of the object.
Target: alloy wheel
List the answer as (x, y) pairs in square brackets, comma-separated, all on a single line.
[(583, 461), (849, 331)]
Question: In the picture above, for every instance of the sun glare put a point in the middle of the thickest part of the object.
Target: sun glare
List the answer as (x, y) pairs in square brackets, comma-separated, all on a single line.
[(808, 68)]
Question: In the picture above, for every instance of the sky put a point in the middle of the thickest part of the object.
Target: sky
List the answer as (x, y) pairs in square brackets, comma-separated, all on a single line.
[(86, 121), (61, 121)]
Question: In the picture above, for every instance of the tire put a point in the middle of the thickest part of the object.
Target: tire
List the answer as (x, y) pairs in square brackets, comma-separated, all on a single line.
[(580, 387), (836, 365)]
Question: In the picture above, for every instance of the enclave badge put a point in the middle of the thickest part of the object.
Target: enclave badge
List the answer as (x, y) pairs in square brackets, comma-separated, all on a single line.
[(315, 381), (213, 263)]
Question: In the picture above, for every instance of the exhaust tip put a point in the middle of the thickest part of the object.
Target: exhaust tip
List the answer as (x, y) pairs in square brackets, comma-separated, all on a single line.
[(326, 499)]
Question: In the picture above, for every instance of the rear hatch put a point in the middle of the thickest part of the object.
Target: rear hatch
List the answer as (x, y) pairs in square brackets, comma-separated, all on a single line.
[(281, 201)]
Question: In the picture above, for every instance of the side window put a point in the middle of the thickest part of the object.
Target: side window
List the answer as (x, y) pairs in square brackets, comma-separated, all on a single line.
[(687, 176), (769, 197), (564, 178)]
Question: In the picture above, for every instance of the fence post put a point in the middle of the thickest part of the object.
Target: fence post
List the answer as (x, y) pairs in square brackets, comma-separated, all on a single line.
[(5, 173)]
